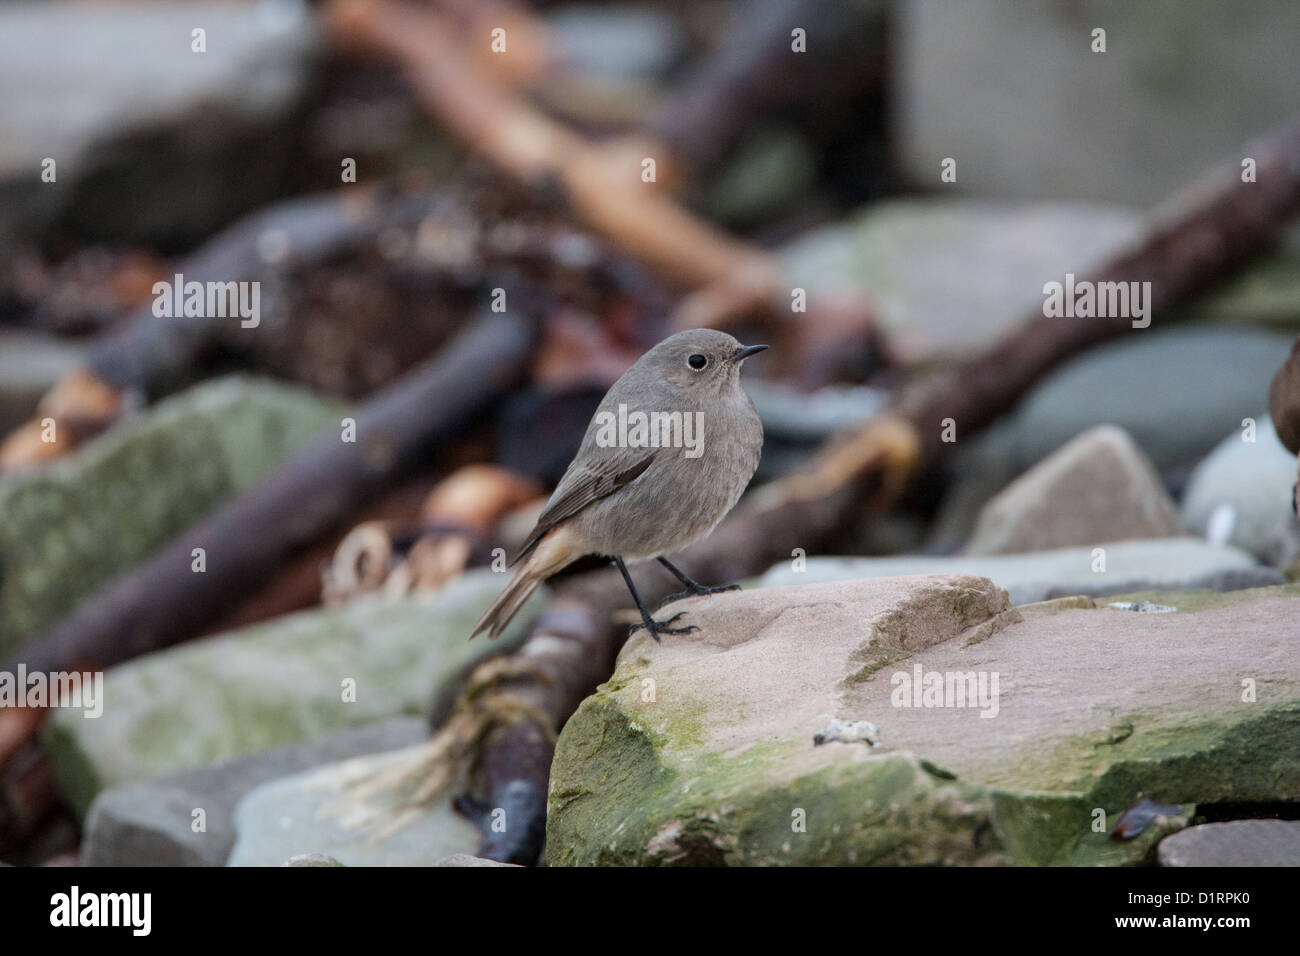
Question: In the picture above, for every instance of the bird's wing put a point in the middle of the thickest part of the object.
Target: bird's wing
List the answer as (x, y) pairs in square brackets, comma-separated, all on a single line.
[(593, 480)]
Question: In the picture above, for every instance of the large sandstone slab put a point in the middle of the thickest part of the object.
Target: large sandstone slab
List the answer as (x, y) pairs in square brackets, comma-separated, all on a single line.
[(295, 678), (73, 525), (701, 749)]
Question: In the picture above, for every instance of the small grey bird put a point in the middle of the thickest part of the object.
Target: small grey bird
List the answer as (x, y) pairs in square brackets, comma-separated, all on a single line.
[(665, 457)]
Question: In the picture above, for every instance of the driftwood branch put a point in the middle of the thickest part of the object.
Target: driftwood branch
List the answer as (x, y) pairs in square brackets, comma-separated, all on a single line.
[(603, 185), (567, 654)]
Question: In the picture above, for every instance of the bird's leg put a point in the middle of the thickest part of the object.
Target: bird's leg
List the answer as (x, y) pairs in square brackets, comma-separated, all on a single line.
[(693, 587), (649, 623)]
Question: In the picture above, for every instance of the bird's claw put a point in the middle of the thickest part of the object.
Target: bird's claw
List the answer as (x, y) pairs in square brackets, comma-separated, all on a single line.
[(662, 627)]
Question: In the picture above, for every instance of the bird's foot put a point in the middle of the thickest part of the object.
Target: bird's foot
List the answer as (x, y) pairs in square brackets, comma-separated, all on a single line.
[(696, 592), (662, 627)]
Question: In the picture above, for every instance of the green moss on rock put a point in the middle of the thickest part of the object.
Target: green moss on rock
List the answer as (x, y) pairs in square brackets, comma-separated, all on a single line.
[(748, 809), (72, 526)]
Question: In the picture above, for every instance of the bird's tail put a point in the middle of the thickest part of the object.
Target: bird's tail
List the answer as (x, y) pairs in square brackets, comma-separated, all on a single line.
[(552, 553)]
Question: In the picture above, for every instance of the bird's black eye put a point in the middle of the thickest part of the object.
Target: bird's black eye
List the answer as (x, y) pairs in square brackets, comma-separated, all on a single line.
[(697, 362)]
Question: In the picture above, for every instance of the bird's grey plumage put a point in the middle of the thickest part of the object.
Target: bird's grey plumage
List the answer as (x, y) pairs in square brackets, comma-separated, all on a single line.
[(639, 502), (624, 499)]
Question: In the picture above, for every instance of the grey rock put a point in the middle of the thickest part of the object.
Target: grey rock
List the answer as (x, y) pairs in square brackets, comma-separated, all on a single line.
[(73, 525), (1149, 112), (307, 813), (290, 679), (125, 105), (1235, 843), (1097, 487), (1157, 564), (1243, 490), (1176, 391), (949, 276), (152, 823)]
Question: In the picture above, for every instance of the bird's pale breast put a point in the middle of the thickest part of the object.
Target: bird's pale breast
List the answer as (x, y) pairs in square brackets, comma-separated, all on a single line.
[(680, 499)]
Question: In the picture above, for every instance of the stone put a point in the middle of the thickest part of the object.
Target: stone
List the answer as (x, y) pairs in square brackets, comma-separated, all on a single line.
[(30, 364), (73, 525), (1176, 391), (291, 679), (152, 823), (1169, 563), (1097, 487), (1241, 494), (1235, 843), (700, 750), (297, 814), (1148, 113), (126, 108), (949, 276)]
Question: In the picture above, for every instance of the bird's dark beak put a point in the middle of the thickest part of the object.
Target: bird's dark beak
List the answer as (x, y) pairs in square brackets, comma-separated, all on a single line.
[(746, 351)]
